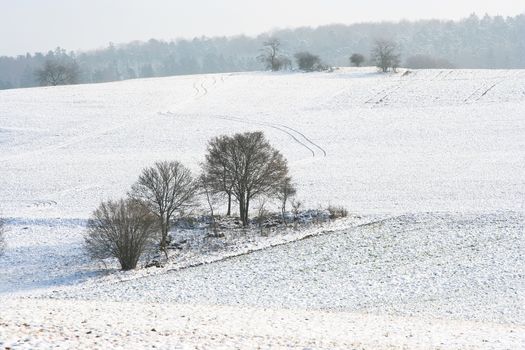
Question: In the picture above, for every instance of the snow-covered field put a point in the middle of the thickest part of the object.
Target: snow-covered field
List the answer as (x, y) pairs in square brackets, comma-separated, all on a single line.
[(431, 164)]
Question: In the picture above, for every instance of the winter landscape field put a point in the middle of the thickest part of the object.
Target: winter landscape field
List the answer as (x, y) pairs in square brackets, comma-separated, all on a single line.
[(430, 165)]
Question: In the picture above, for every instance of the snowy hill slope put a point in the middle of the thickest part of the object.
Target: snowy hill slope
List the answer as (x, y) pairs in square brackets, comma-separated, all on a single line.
[(430, 140), (432, 161)]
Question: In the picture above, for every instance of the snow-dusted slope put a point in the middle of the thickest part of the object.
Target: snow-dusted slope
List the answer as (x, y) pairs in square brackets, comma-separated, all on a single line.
[(434, 160), (430, 140)]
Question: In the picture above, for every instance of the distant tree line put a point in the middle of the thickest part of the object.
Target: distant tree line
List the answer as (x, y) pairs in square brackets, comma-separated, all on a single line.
[(474, 42)]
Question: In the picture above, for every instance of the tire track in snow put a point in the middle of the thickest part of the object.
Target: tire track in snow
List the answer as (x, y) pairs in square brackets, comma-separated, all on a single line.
[(473, 94), (197, 91), (44, 203), (279, 127), (296, 135), (376, 99), (482, 91), (487, 91), (205, 90), (437, 76), (306, 138)]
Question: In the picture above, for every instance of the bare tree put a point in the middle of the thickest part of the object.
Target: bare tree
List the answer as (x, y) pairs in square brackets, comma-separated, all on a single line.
[(308, 62), (214, 168), (254, 167), (262, 214), (385, 55), (165, 188), (58, 73), (357, 59), (206, 184), (271, 56), (285, 191), (123, 229)]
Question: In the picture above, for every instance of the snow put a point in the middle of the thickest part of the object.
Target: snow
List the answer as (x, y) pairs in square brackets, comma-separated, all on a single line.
[(429, 164), (436, 265), (392, 143), (81, 324)]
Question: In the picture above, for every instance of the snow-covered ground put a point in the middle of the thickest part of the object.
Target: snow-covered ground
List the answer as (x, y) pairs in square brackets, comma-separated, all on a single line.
[(455, 266), (421, 142), (431, 164)]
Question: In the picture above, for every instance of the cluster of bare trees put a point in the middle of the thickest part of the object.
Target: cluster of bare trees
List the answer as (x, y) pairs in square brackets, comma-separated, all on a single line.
[(241, 168), (274, 60), (128, 228), (244, 166), (385, 55)]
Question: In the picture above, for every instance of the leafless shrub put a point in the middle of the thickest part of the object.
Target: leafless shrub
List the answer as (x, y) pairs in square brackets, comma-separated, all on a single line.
[(262, 214), (337, 212), (165, 188), (123, 229), (205, 184), (286, 190), (296, 209)]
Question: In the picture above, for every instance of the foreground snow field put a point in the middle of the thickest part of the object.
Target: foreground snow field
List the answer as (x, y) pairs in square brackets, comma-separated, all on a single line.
[(107, 325), (430, 163)]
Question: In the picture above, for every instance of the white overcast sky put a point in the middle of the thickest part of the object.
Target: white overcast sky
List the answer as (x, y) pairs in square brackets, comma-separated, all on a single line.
[(40, 25)]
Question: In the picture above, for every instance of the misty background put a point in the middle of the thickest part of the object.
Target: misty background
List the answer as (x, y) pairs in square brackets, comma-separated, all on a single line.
[(471, 42)]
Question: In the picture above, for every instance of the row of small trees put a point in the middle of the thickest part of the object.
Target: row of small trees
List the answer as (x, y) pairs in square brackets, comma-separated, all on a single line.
[(237, 168), (385, 55), (274, 60)]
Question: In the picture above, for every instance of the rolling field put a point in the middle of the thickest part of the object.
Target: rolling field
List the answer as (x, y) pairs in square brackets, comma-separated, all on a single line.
[(430, 163)]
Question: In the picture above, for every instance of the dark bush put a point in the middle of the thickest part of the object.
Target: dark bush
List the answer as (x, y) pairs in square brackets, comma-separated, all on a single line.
[(308, 62), (124, 230)]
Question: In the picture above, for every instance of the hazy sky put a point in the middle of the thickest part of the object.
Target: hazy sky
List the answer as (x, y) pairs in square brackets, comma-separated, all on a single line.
[(40, 25)]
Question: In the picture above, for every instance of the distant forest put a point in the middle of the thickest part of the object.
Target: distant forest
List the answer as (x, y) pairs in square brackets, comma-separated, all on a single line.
[(487, 42)]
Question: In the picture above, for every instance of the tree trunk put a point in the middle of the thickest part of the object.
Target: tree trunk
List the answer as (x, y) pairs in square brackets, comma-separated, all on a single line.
[(165, 225), (229, 213), (242, 209), (246, 210)]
